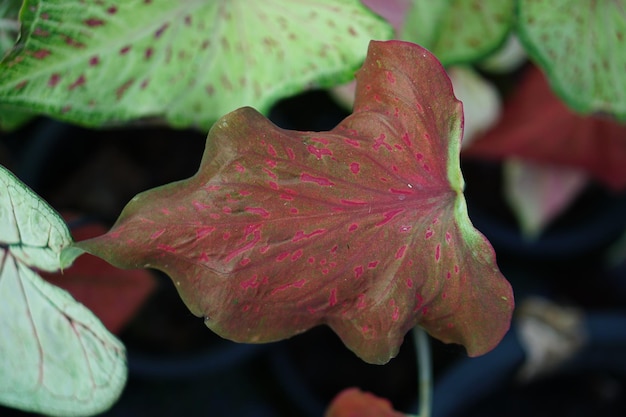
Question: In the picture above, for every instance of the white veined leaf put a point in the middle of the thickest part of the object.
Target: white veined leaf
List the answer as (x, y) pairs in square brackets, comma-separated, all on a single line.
[(56, 357)]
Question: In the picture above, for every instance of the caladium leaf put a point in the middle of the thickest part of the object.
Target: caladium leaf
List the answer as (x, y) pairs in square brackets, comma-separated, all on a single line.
[(352, 402), (393, 11), (9, 25), (188, 62), (537, 126), (539, 193), (55, 355), (459, 31), (363, 228), (581, 48), (9, 29)]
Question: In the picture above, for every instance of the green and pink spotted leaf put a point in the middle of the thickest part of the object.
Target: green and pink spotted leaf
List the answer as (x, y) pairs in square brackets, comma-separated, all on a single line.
[(581, 46), (186, 62), (363, 228), (9, 28)]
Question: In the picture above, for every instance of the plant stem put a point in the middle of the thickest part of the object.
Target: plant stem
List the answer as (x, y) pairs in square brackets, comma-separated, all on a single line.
[(425, 372)]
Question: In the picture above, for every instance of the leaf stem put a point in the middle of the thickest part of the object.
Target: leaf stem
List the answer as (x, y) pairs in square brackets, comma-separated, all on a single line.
[(425, 372)]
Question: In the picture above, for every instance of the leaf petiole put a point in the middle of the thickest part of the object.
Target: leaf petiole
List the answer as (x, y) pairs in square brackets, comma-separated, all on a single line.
[(425, 371)]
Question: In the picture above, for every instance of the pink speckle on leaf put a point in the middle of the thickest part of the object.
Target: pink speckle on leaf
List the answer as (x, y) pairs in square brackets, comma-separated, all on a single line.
[(119, 92), (252, 282), (297, 284), (380, 141), (256, 237), (79, 81), (352, 142), (166, 248), (325, 182), (355, 167), (41, 53), (258, 210), (400, 252), (41, 32), (270, 173), (54, 79), (319, 152), (160, 30), (407, 139), (93, 22), (437, 252), (94, 60), (321, 140), (300, 234), (395, 315), (361, 301), (332, 299), (388, 216), (204, 231), (73, 42), (358, 272)]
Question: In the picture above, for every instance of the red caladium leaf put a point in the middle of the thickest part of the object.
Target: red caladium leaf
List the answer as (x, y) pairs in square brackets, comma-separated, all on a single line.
[(536, 125), (352, 402), (363, 228)]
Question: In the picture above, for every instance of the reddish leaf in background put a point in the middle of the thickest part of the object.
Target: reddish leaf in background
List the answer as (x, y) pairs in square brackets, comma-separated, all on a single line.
[(536, 125), (113, 295), (352, 402), (362, 228)]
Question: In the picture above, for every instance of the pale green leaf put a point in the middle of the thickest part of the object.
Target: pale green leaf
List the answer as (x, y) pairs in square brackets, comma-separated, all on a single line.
[(33, 232), (459, 31), (56, 357), (188, 61), (582, 48)]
